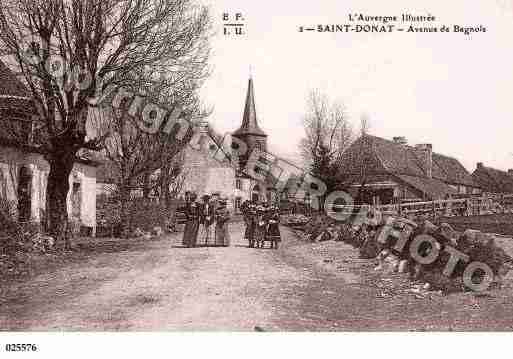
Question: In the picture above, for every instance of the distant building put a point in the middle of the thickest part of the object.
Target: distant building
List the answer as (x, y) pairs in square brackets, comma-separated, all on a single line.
[(23, 168), (393, 171), (207, 167), (492, 180)]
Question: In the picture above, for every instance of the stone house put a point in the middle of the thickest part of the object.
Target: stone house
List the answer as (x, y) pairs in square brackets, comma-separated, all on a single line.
[(207, 167), (492, 180), (23, 169), (393, 171)]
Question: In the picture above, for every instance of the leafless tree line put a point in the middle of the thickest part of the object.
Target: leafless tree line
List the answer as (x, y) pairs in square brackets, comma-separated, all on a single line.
[(328, 134), (70, 53)]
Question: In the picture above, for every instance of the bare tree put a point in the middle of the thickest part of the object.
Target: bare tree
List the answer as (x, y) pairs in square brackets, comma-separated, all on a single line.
[(363, 161), (328, 134), (78, 50), (136, 156), (170, 179)]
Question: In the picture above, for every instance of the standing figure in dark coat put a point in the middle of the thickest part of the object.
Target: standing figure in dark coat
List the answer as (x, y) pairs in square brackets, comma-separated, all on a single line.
[(186, 210), (273, 229), (250, 220), (207, 217), (222, 234), (261, 227), (190, 233)]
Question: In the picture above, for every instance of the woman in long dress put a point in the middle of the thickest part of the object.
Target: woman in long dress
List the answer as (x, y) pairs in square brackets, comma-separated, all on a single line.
[(222, 234), (192, 214), (273, 231), (250, 219), (206, 209), (261, 227), (187, 228)]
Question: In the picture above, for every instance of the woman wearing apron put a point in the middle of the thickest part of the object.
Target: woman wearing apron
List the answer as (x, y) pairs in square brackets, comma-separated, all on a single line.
[(190, 233), (222, 234)]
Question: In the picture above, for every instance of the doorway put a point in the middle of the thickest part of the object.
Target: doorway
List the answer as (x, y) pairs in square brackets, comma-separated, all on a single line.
[(255, 193), (24, 194)]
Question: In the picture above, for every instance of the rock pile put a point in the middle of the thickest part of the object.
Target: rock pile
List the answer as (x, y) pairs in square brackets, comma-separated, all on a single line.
[(437, 256), (294, 220)]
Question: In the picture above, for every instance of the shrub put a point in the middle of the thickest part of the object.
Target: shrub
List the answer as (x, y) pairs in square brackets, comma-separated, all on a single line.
[(108, 215), (147, 215)]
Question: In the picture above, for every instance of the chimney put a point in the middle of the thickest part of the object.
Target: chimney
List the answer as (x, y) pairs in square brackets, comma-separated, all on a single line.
[(203, 127), (400, 140), (427, 149)]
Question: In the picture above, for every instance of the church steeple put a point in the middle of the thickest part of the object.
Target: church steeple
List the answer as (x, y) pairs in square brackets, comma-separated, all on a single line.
[(249, 124)]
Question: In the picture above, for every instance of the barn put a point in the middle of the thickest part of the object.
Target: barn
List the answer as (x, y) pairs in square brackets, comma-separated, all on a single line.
[(391, 171)]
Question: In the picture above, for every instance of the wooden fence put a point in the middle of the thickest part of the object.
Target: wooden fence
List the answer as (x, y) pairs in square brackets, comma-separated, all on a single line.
[(472, 206)]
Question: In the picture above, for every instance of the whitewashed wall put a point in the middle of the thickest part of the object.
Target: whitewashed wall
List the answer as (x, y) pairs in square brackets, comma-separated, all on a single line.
[(11, 160)]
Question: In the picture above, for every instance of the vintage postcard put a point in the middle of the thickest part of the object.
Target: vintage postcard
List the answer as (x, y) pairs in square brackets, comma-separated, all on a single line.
[(243, 166)]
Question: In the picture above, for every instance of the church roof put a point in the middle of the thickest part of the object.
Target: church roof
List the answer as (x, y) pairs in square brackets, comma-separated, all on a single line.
[(249, 121)]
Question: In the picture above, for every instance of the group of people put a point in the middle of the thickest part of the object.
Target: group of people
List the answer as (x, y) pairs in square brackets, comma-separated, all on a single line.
[(262, 224), (201, 217)]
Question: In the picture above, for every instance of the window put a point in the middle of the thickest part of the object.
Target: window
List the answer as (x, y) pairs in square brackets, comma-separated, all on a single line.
[(238, 184), (238, 201), (260, 145), (3, 185)]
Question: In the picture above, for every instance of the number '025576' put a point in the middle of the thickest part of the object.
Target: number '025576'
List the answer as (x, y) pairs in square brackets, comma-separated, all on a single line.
[(20, 347)]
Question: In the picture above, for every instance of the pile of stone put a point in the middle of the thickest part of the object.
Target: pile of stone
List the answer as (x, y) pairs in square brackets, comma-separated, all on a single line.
[(427, 251), (42, 243), (155, 232), (397, 243), (294, 220)]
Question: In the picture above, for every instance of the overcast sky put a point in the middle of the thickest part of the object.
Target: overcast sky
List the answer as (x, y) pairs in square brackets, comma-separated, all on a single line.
[(451, 90)]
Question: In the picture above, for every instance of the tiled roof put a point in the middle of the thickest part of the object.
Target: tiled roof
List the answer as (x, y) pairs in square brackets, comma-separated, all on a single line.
[(493, 180), (13, 94), (10, 86), (404, 159), (378, 156), (432, 187)]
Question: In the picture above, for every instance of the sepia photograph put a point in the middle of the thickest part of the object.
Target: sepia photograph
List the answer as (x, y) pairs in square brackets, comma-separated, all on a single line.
[(180, 166)]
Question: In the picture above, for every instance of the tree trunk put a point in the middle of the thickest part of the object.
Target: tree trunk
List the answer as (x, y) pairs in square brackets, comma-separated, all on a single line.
[(146, 186), (57, 192), (124, 197)]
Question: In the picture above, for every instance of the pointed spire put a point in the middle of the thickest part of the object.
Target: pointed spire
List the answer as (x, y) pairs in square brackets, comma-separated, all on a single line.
[(249, 124)]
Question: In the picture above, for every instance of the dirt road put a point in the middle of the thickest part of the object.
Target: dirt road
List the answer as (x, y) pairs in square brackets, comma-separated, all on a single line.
[(157, 285)]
